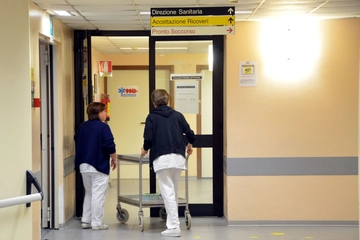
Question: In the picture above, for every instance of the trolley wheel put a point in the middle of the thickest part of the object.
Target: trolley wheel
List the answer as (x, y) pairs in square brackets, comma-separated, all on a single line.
[(163, 214), (122, 215), (141, 222), (188, 220)]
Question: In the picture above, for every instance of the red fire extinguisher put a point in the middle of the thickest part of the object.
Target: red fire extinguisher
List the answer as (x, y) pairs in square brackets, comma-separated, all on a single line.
[(106, 100)]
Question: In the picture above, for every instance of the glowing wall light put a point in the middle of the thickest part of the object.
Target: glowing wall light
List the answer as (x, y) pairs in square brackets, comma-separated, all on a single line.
[(210, 57), (290, 49)]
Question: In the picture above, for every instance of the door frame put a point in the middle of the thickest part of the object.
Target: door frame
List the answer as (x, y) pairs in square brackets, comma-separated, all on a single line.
[(48, 136), (216, 139)]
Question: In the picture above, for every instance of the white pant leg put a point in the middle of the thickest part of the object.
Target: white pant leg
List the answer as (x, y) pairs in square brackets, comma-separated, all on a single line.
[(168, 183), (86, 215), (98, 185)]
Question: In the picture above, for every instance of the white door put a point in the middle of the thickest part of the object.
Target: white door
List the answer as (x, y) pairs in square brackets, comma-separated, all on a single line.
[(128, 111)]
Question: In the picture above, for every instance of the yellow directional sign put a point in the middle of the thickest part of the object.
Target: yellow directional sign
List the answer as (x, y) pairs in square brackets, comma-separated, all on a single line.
[(192, 21), (192, 31)]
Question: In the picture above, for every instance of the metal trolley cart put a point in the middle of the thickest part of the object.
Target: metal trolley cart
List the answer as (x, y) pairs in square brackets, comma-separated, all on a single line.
[(147, 200)]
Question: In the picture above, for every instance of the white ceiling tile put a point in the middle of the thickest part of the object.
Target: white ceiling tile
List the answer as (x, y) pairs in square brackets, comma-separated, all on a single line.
[(124, 14), (112, 13), (114, 18), (104, 8), (99, 2), (52, 7), (166, 2), (49, 1)]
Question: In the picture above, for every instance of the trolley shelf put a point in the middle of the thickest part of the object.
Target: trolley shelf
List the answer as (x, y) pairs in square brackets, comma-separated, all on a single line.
[(146, 200), (153, 200), (134, 158)]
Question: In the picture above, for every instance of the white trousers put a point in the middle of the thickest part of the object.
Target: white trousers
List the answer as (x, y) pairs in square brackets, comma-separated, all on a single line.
[(95, 184), (168, 180)]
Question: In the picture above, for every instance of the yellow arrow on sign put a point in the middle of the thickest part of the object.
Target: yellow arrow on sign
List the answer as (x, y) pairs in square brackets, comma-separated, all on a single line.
[(192, 21)]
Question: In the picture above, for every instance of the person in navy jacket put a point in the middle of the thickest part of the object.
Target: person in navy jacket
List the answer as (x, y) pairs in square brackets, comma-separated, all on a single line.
[(163, 135), (95, 146)]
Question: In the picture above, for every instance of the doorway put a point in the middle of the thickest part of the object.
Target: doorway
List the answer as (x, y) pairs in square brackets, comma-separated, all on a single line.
[(47, 136), (209, 143), (203, 109)]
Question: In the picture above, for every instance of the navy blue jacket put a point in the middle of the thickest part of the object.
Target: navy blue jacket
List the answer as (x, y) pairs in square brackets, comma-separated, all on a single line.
[(164, 130), (94, 144)]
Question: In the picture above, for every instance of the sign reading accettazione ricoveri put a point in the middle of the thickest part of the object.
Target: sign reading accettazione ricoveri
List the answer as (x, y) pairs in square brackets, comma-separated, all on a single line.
[(192, 21)]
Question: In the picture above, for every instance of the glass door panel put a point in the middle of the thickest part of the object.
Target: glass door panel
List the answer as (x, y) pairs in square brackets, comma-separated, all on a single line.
[(190, 58)]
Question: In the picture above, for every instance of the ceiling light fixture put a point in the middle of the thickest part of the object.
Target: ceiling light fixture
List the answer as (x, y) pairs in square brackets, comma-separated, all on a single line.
[(62, 13), (158, 48), (171, 48), (243, 12), (210, 57)]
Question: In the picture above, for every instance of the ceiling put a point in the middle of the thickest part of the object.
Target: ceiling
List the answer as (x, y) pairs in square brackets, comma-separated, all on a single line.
[(127, 15)]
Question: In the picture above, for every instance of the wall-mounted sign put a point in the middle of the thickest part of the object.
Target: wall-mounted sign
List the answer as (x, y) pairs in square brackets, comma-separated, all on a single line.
[(190, 76), (105, 69), (192, 31), (192, 21), (130, 91), (187, 97), (247, 74)]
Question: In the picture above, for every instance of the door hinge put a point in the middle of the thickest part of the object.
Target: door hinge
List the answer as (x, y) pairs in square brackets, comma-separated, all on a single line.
[(48, 214), (46, 57)]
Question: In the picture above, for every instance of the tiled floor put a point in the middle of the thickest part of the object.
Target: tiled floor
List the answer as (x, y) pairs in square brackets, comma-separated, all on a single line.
[(206, 228)]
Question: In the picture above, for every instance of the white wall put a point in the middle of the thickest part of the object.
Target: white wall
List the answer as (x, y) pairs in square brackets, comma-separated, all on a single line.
[(15, 127)]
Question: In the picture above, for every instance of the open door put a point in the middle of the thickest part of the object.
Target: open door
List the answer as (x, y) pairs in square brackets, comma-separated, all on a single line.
[(196, 90), (48, 208)]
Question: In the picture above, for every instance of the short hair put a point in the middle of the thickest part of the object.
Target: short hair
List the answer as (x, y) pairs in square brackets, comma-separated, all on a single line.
[(160, 97), (93, 110)]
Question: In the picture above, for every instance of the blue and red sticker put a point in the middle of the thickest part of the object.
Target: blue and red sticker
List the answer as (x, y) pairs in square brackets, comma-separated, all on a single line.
[(128, 91)]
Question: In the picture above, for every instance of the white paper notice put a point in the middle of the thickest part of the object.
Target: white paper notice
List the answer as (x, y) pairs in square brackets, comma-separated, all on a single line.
[(187, 97), (247, 74)]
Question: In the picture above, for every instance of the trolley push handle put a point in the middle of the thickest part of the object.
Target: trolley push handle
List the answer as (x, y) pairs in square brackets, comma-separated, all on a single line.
[(187, 181), (140, 183)]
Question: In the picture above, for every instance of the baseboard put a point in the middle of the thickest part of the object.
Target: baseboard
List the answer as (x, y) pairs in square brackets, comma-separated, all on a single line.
[(67, 222), (292, 223)]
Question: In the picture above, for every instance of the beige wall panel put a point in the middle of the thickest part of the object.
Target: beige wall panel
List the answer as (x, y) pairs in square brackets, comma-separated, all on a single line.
[(312, 114), (35, 26), (15, 128), (65, 87), (65, 109), (36, 222), (69, 196), (287, 198), (64, 96), (127, 59), (184, 63)]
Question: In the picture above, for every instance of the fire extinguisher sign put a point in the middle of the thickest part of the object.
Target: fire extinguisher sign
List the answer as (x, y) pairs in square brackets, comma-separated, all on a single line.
[(132, 91), (105, 69)]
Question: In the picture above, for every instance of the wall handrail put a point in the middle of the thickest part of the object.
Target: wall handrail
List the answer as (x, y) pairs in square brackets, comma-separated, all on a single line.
[(28, 198)]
